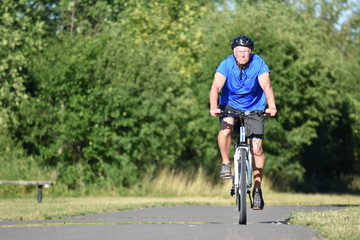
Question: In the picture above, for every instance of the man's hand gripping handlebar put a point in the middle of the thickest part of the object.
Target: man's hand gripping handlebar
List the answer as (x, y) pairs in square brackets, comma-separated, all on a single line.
[(216, 112)]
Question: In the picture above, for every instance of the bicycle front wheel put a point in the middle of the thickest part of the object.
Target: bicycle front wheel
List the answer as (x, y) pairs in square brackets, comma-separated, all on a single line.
[(241, 192)]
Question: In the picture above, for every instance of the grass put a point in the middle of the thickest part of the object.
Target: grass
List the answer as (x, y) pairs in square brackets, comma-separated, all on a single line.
[(58, 208), (339, 225)]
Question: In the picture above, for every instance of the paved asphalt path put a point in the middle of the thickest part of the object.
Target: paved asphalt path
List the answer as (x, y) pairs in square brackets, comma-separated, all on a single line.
[(166, 223)]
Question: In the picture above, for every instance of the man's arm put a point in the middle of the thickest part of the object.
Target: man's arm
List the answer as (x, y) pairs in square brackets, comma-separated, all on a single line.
[(264, 81), (218, 83)]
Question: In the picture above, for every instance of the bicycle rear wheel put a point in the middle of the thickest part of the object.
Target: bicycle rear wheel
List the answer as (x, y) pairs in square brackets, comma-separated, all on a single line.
[(241, 192)]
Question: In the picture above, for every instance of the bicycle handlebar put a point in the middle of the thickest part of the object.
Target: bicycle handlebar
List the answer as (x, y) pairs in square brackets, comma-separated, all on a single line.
[(243, 113)]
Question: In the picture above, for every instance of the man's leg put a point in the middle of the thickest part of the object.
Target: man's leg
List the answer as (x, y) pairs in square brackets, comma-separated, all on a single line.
[(224, 142), (258, 161), (258, 168)]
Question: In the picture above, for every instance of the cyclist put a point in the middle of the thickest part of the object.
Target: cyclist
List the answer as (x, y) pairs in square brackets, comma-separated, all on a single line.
[(244, 81)]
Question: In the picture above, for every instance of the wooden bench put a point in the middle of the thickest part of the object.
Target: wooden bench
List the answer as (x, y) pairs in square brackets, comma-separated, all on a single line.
[(40, 185)]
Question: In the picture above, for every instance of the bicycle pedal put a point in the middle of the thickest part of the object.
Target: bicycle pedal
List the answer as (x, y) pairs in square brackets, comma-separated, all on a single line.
[(232, 192)]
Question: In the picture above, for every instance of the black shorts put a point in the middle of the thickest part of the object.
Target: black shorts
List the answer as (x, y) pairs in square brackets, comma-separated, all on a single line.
[(254, 123)]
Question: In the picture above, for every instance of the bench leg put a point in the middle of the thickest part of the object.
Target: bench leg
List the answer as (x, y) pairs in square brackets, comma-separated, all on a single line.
[(39, 193)]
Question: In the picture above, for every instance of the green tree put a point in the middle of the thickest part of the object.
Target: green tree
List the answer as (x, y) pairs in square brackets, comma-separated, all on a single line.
[(87, 17), (23, 27), (334, 153), (106, 107)]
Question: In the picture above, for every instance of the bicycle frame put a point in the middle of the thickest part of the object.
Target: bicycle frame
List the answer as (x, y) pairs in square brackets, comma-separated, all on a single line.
[(243, 144)]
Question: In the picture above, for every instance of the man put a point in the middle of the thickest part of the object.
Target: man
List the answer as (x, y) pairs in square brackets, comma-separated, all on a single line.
[(244, 79)]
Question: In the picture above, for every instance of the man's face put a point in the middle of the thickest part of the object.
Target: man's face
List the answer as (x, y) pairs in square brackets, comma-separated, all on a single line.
[(242, 54)]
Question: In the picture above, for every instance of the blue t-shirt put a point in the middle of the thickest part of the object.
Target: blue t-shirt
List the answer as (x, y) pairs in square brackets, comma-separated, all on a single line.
[(243, 91)]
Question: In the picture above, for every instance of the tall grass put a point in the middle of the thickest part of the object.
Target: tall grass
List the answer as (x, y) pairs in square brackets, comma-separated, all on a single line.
[(165, 183), (169, 182), (15, 167), (173, 183)]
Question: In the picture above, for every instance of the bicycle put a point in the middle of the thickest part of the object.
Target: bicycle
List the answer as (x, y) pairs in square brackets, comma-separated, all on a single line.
[(243, 175)]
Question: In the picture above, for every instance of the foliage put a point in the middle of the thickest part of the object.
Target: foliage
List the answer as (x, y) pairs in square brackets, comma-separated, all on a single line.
[(22, 30), (87, 17), (99, 132)]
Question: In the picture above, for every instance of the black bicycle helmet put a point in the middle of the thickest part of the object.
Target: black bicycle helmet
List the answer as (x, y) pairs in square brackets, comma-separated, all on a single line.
[(242, 40)]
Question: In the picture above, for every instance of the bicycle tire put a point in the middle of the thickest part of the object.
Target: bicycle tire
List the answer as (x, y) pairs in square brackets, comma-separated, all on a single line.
[(241, 193)]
